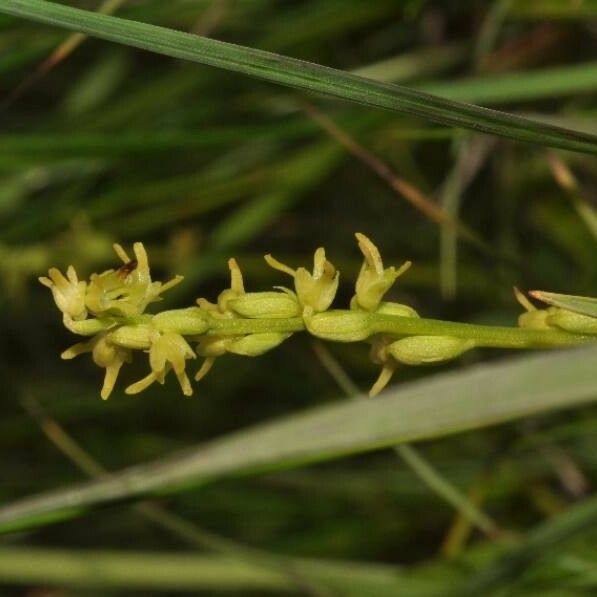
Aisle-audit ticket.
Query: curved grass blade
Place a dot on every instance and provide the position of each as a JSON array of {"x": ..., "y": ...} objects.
[
  {"x": 584, "y": 305},
  {"x": 299, "y": 74},
  {"x": 446, "y": 404}
]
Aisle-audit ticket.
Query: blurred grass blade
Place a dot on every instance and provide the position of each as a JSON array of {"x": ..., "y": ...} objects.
[
  {"x": 130, "y": 570},
  {"x": 584, "y": 305},
  {"x": 296, "y": 73},
  {"x": 519, "y": 86},
  {"x": 445, "y": 404},
  {"x": 155, "y": 571}
]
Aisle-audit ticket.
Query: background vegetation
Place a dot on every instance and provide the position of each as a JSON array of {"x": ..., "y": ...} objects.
[{"x": 103, "y": 143}]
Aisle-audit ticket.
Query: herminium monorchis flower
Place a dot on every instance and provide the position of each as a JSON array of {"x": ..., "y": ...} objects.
[
  {"x": 235, "y": 303},
  {"x": 123, "y": 293},
  {"x": 105, "y": 354},
  {"x": 109, "y": 309},
  {"x": 373, "y": 281},
  {"x": 128, "y": 290},
  {"x": 167, "y": 351},
  {"x": 314, "y": 291},
  {"x": 68, "y": 292}
]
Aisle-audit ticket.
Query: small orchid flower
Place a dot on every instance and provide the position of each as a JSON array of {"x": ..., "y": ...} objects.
[
  {"x": 315, "y": 291},
  {"x": 221, "y": 309},
  {"x": 68, "y": 292},
  {"x": 128, "y": 290},
  {"x": 105, "y": 354},
  {"x": 373, "y": 281},
  {"x": 168, "y": 351}
]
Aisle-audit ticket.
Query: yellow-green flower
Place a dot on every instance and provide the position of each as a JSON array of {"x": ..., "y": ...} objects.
[
  {"x": 373, "y": 281},
  {"x": 105, "y": 354},
  {"x": 237, "y": 289},
  {"x": 315, "y": 291},
  {"x": 168, "y": 351},
  {"x": 127, "y": 291},
  {"x": 68, "y": 292}
]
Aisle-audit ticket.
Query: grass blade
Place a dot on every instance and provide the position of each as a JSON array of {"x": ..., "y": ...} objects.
[
  {"x": 584, "y": 305},
  {"x": 448, "y": 403},
  {"x": 299, "y": 74},
  {"x": 160, "y": 571}
]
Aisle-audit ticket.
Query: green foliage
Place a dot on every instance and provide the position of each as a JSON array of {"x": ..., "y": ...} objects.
[{"x": 294, "y": 73}]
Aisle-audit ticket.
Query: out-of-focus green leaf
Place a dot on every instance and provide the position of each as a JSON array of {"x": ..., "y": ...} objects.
[
  {"x": 188, "y": 572},
  {"x": 296, "y": 73},
  {"x": 448, "y": 403}
]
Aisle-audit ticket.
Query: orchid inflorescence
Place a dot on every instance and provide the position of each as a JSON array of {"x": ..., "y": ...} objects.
[{"x": 110, "y": 310}]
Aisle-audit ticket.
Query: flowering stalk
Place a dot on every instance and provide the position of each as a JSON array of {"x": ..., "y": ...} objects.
[{"x": 110, "y": 310}]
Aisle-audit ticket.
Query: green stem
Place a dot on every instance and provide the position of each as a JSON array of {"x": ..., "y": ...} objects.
[
  {"x": 483, "y": 335},
  {"x": 237, "y": 327}
]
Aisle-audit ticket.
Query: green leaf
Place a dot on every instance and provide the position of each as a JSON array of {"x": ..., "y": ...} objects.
[
  {"x": 446, "y": 404},
  {"x": 299, "y": 74},
  {"x": 584, "y": 305},
  {"x": 134, "y": 570}
]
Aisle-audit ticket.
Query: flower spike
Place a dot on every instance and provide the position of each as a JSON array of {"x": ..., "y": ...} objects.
[{"x": 109, "y": 312}]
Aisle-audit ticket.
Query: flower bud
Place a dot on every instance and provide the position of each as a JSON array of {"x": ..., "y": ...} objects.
[
  {"x": 387, "y": 308},
  {"x": 188, "y": 322},
  {"x": 137, "y": 337},
  {"x": 421, "y": 350},
  {"x": 254, "y": 345},
  {"x": 534, "y": 320},
  {"x": 272, "y": 305},
  {"x": 87, "y": 327},
  {"x": 213, "y": 346},
  {"x": 340, "y": 326},
  {"x": 571, "y": 321}
]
